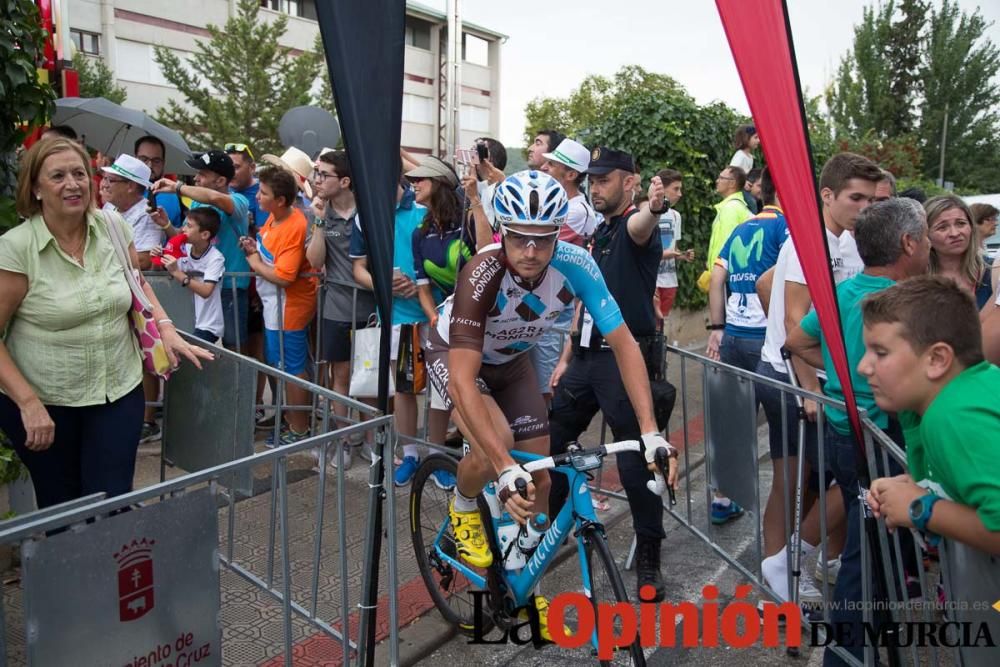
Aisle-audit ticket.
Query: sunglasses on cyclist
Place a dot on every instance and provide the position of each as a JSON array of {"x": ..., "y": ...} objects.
[
  {"x": 239, "y": 148},
  {"x": 522, "y": 240}
]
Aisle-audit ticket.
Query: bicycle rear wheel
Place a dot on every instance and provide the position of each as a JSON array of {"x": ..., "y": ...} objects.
[
  {"x": 606, "y": 586},
  {"x": 448, "y": 587}
]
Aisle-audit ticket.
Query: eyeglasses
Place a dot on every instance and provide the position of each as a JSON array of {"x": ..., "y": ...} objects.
[
  {"x": 417, "y": 179},
  {"x": 320, "y": 176},
  {"x": 158, "y": 161},
  {"x": 722, "y": 177},
  {"x": 239, "y": 148},
  {"x": 111, "y": 180},
  {"x": 522, "y": 240}
]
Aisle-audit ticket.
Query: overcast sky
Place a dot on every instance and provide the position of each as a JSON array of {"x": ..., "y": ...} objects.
[{"x": 554, "y": 45}]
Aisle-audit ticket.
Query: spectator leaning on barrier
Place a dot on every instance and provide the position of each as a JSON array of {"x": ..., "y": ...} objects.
[
  {"x": 893, "y": 242},
  {"x": 214, "y": 171},
  {"x": 152, "y": 152},
  {"x": 124, "y": 189},
  {"x": 244, "y": 182},
  {"x": 200, "y": 269},
  {"x": 729, "y": 213},
  {"x": 627, "y": 250},
  {"x": 278, "y": 257},
  {"x": 931, "y": 371},
  {"x": 738, "y": 322},
  {"x": 344, "y": 307},
  {"x": 64, "y": 303}
]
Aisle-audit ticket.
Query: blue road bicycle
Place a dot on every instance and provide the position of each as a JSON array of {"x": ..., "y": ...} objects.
[{"x": 451, "y": 581}]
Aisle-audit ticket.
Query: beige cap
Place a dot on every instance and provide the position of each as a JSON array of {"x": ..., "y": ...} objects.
[
  {"x": 432, "y": 167},
  {"x": 297, "y": 162}
]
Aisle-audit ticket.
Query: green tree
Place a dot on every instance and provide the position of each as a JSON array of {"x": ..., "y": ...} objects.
[
  {"x": 96, "y": 80},
  {"x": 25, "y": 102},
  {"x": 959, "y": 73},
  {"x": 238, "y": 84},
  {"x": 651, "y": 116}
]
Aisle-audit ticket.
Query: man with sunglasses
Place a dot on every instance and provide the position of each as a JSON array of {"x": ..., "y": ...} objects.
[
  {"x": 592, "y": 375},
  {"x": 506, "y": 298},
  {"x": 244, "y": 182},
  {"x": 152, "y": 152}
]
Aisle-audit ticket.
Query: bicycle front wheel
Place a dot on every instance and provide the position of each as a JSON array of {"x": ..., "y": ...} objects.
[
  {"x": 430, "y": 530},
  {"x": 606, "y": 586}
]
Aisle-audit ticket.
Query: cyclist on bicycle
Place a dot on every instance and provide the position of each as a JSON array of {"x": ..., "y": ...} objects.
[{"x": 505, "y": 298}]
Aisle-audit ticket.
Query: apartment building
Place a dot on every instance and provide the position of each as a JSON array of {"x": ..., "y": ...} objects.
[{"x": 123, "y": 32}]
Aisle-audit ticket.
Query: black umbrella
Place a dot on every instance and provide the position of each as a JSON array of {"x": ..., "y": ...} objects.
[{"x": 113, "y": 129}]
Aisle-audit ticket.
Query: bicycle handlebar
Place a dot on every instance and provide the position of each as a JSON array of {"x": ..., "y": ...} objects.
[{"x": 656, "y": 486}]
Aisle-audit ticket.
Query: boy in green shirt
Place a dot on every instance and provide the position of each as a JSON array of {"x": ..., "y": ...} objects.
[{"x": 924, "y": 361}]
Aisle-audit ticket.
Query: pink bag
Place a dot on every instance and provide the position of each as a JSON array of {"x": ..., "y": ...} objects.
[{"x": 154, "y": 352}]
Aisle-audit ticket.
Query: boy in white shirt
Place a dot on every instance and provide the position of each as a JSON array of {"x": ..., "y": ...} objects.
[{"x": 200, "y": 270}]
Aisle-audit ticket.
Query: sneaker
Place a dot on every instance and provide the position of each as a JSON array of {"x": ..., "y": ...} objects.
[
  {"x": 269, "y": 440},
  {"x": 150, "y": 432},
  {"x": 262, "y": 422},
  {"x": 443, "y": 479},
  {"x": 367, "y": 453},
  {"x": 647, "y": 567},
  {"x": 258, "y": 416},
  {"x": 809, "y": 595},
  {"x": 405, "y": 472},
  {"x": 291, "y": 436},
  {"x": 469, "y": 538},
  {"x": 724, "y": 513},
  {"x": 542, "y": 605},
  {"x": 345, "y": 459},
  {"x": 832, "y": 570}
]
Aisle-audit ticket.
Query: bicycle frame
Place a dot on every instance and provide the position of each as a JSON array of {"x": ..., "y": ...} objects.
[{"x": 577, "y": 511}]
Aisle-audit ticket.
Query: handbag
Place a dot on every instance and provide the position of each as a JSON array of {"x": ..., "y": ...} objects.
[
  {"x": 411, "y": 373},
  {"x": 364, "y": 366},
  {"x": 154, "y": 352}
]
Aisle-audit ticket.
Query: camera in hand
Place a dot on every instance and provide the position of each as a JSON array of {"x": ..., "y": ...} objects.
[{"x": 483, "y": 151}]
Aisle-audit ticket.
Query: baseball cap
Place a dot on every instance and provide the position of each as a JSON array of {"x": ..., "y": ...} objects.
[
  {"x": 604, "y": 160},
  {"x": 432, "y": 167},
  {"x": 131, "y": 168},
  {"x": 572, "y": 154},
  {"x": 215, "y": 161}
]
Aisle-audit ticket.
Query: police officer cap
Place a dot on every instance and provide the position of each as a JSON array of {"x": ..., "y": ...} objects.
[{"x": 604, "y": 160}]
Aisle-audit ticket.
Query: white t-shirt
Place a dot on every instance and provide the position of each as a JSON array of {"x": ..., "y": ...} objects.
[
  {"x": 146, "y": 235},
  {"x": 849, "y": 252},
  {"x": 207, "y": 268},
  {"x": 670, "y": 234},
  {"x": 581, "y": 221},
  {"x": 742, "y": 160},
  {"x": 788, "y": 268}
]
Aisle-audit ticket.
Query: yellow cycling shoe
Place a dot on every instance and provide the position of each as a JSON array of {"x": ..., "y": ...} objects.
[
  {"x": 469, "y": 538},
  {"x": 542, "y": 605}
]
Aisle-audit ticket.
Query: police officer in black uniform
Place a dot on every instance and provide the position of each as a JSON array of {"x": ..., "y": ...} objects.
[{"x": 627, "y": 249}]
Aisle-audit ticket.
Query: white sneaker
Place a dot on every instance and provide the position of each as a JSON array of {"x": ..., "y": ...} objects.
[
  {"x": 808, "y": 593},
  {"x": 366, "y": 452},
  {"x": 345, "y": 457},
  {"x": 832, "y": 570}
]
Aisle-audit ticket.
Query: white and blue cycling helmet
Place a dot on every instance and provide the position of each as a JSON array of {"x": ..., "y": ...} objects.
[{"x": 530, "y": 198}]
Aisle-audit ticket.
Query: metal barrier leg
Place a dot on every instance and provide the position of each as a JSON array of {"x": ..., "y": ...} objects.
[
  {"x": 630, "y": 558},
  {"x": 388, "y": 445},
  {"x": 286, "y": 565}
]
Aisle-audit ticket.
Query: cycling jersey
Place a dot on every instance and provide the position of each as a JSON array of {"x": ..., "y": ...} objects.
[{"x": 496, "y": 312}]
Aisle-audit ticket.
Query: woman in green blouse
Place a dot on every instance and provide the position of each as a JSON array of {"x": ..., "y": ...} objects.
[{"x": 70, "y": 367}]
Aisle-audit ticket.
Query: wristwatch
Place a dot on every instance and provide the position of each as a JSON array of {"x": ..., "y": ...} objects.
[
  {"x": 666, "y": 207},
  {"x": 920, "y": 510},
  {"x": 186, "y": 281},
  {"x": 319, "y": 222}
]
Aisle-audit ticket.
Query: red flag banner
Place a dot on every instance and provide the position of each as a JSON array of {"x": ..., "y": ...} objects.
[{"x": 771, "y": 83}]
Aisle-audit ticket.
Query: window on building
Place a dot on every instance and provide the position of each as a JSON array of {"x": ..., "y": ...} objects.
[
  {"x": 418, "y": 33},
  {"x": 475, "y": 119},
  {"x": 418, "y": 109},
  {"x": 135, "y": 62},
  {"x": 305, "y": 9},
  {"x": 475, "y": 50},
  {"x": 86, "y": 42}
]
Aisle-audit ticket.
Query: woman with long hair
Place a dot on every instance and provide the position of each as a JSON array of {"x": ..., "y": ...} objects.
[
  {"x": 954, "y": 242},
  {"x": 745, "y": 141}
]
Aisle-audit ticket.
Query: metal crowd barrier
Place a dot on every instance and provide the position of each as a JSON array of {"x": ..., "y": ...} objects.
[
  {"x": 732, "y": 435},
  {"x": 136, "y": 579}
]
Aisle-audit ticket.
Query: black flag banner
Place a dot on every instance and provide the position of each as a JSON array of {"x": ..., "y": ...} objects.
[{"x": 364, "y": 42}]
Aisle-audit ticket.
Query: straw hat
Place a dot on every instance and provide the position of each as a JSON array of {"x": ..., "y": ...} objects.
[{"x": 297, "y": 162}]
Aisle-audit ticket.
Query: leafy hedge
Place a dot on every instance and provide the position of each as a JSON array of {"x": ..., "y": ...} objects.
[{"x": 652, "y": 117}]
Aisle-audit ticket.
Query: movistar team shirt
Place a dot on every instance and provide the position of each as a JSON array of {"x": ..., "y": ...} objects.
[
  {"x": 409, "y": 215},
  {"x": 438, "y": 257},
  {"x": 850, "y": 293},
  {"x": 751, "y": 250},
  {"x": 497, "y": 313},
  {"x": 952, "y": 449}
]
